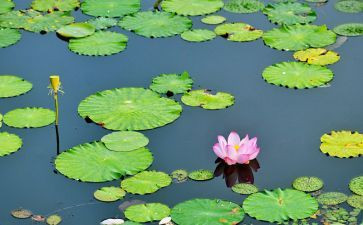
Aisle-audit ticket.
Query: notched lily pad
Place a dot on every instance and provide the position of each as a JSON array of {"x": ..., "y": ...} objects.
[
  {"x": 110, "y": 8},
  {"x": 244, "y": 6},
  {"x": 109, "y": 194},
  {"x": 147, "y": 212},
  {"x": 201, "y": 175},
  {"x": 342, "y": 144},
  {"x": 355, "y": 201},
  {"x": 54, "y": 220},
  {"x": 9, "y": 37},
  {"x": 11, "y": 86},
  {"x": 244, "y": 188},
  {"x": 172, "y": 83},
  {"x": 191, "y": 7},
  {"x": 29, "y": 117},
  {"x": 349, "y": 29},
  {"x": 356, "y": 185},
  {"x": 213, "y": 19},
  {"x": 349, "y": 6},
  {"x": 21, "y": 213},
  {"x": 55, "y": 5},
  {"x": 317, "y": 56},
  {"x": 198, "y": 35},
  {"x": 124, "y": 141},
  {"x": 332, "y": 198},
  {"x": 238, "y": 32},
  {"x": 206, "y": 100},
  {"x": 76, "y": 30},
  {"x": 308, "y": 184},
  {"x": 9, "y": 143}
]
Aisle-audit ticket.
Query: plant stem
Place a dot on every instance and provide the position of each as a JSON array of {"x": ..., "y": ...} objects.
[
  {"x": 156, "y": 4},
  {"x": 57, "y": 121}
]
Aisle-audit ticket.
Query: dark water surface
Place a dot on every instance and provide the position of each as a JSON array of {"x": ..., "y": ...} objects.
[{"x": 288, "y": 122}]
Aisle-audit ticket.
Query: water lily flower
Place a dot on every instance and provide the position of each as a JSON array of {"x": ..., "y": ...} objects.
[{"x": 236, "y": 150}]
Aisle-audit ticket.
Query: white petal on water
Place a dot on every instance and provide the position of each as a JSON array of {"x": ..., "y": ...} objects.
[{"x": 112, "y": 222}]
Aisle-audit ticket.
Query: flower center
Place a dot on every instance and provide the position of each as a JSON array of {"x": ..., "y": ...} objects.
[{"x": 236, "y": 147}]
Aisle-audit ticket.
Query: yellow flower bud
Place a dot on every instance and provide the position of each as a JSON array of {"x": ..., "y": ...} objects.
[{"x": 55, "y": 83}]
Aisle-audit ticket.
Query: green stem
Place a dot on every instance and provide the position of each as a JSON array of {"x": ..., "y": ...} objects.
[{"x": 56, "y": 109}]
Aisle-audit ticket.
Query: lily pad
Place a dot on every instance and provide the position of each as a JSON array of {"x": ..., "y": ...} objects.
[
  {"x": 156, "y": 24},
  {"x": 8, "y": 37},
  {"x": 93, "y": 162},
  {"x": 332, "y": 198},
  {"x": 110, "y": 8},
  {"x": 21, "y": 213},
  {"x": 355, "y": 201},
  {"x": 38, "y": 22},
  {"x": 201, "y": 175},
  {"x": 243, "y": 6},
  {"x": 299, "y": 37},
  {"x": 1, "y": 120},
  {"x": 9, "y": 143},
  {"x": 206, "y": 100},
  {"x": 297, "y": 75},
  {"x": 101, "y": 43},
  {"x": 317, "y": 56},
  {"x": 174, "y": 83},
  {"x": 124, "y": 141},
  {"x": 356, "y": 185},
  {"x": 29, "y": 117},
  {"x": 129, "y": 109},
  {"x": 101, "y": 23},
  {"x": 198, "y": 35},
  {"x": 55, "y": 5},
  {"x": 244, "y": 188},
  {"x": 76, "y": 30},
  {"x": 14, "y": 19},
  {"x": 207, "y": 212},
  {"x": 349, "y": 29},
  {"x": 238, "y": 32},
  {"x": 213, "y": 19},
  {"x": 179, "y": 175},
  {"x": 308, "y": 184},
  {"x": 54, "y": 220},
  {"x": 109, "y": 194},
  {"x": 342, "y": 144},
  {"x": 191, "y": 7},
  {"x": 6, "y": 6},
  {"x": 11, "y": 86},
  {"x": 280, "y": 205},
  {"x": 146, "y": 182},
  {"x": 349, "y": 6},
  {"x": 147, "y": 212}
]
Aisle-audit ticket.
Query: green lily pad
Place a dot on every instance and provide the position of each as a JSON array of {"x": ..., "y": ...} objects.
[
  {"x": 54, "y": 220},
  {"x": 355, "y": 201},
  {"x": 38, "y": 22},
  {"x": 8, "y": 37},
  {"x": 280, "y": 205},
  {"x": 55, "y": 5},
  {"x": 317, "y": 56},
  {"x": 9, "y": 143},
  {"x": 1, "y": 120},
  {"x": 201, "y": 175},
  {"x": 349, "y": 29},
  {"x": 14, "y": 19},
  {"x": 206, "y": 100},
  {"x": 147, "y": 212},
  {"x": 77, "y": 30},
  {"x": 317, "y": 1},
  {"x": 146, "y": 182},
  {"x": 244, "y": 6},
  {"x": 6, "y": 6},
  {"x": 93, "y": 162},
  {"x": 124, "y": 141},
  {"x": 308, "y": 184},
  {"x": 110, "y": 8},
  {"x": 101, "y": 23},
  {"x": 356, "y": 185},
  {"x": 174, "y": 83},
  {"x": 289, "y": 13},
  {"x": 244, "y": 188},
  {"x": 156, "y": 24},
  {"x": 29, "y": 117},
  {"x": 297, "y": 75},
  {"x": 191, "y": 7},
  {"x": 299, "y": 37},
  {"x": 101, "y": 43},
  {"x": 11, "y": 86},
  {"x": 179, "y": 175},
  {"x": 349, "y": 6},
  {"x": 129, "y": 109},
  {"x": 109, "y": 194},
  {"x": 213, "y": 19},
  {"x": 21, "y": 213},
  {"x": 332, "y": 198},
  {"x": 198, "y": 35},
  {"x": 207, "y": 212},
  {"x": 342, "y": 144},
  {"x": 238, "y": 32}
]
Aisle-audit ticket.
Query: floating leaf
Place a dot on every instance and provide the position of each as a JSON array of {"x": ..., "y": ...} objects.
[
  {"x": 9, "y": 143},
  {"x": 93, "y": 162},
  {"x": 206, "y": 100},
  {"x": 54, "y": 5},
  {"x": 332, "y": 198},
  {"x": 101, "y": 43},
  {"x": 6, "y": 6},
  {"x": 129, "y": 109},
  {"x": 317, "y": 56},
  {"x": 109, "y": 194},
  {"x": 191, "y": 7},
  {"x": 38, "y": 22},
  {"x": 297, "y": 75},
  {"x": 29, "y": 117},
  {"x": 213, "y": 19},
  {"x": 207, "y": 212},
  {"x": 179, "y": 175},
  {"x": 54, "y": 220},
  {"x": 355, "y": 201},
  {"x": 14, "y": 19},
  {"x": 244, "y": 6},
  {"x": 198, "y": 35},
  {"x": 21, "y": 213},
  {"x": 349, "y": 6},
  {"x": 147, "y": 212},
  {"x": 156, "y": 24},
  {"x": 308, "y": 184},
  {"x": 317, "y": 1},
  {"x": 76, "y": 30},
  {"x": 174, "y": 83},
  {"x": 124, "y": 141},
  {"x": 238, "y": 32},
  {"x": 342, "y": 144},
  {"x": 349, "y": 29},
  {"x": 110, "y": 8},
  {"x": 244, "y": 188},
  {"x": 201, "y": 175},
  {"x": 8, "y": 37},
  {"x": 356, "y": 185},
  {"x": 299, "y": 37},
  {"x": 101, "y": 23},
  {"x": 146, "y": 182},
  {"x": 280, "y": 205},
  {"x": 11, "y": 86}
]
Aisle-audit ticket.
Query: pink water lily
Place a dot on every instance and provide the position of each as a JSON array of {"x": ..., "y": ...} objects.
[{"x": 236, "y": 150}]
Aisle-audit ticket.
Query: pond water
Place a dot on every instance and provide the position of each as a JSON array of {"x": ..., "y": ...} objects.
[{"x": 288, "y": 122}]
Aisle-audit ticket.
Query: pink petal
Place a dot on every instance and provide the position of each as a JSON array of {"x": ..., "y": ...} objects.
[
  {"x": 244, "y": 140},
  {"x": 232, "y": 153},
  {"x": 243, "y": 158},
  {"x": 234, "y": 139},
  {"x": 230, "y": 161},
  {"x": 255, "y": 153},
  {"x": 219, "y": 150},
  {"x": 222, "y": 140}
]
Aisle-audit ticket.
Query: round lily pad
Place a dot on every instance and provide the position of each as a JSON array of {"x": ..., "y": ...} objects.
[
  {"x": 213, "y": 19},
  {"x": 124, "y": 141},
  {"x": 356, "y": 185},
  {"x": 355, "y": 201},
  {"x": 342, "y": 144},
  {"x": 191, "y": 7},
  {"x": 332, "y": 198},
  {"x": 21, "y": 213},
  {"x": 8, "y": 37},
  {"x": 93, "y": 162},
  {"x": 11, "y": 86},
  {"x": 238, "y": 32},
  {"x": 155, "y": 24},
  {"x": 38, "y": 22},
  {"x": 54, "y": 220},
  {"x": 9, "y": 143},
  {"x": 101, "y": 23},
  {"x": 299, "y": 37},
  {"x": 146, "y": 182},
  {"x": 6, "y": 6},
  {"x": 201, "y": 175},
  {"x": 317, "y": 56},
  {"x": 308, "y": 184},
  {"x": 198, "y": 35},
  {"x": 206, "y": 100},
  {"x": 297, "y": 75},
  {"x": 76, "y": 30},
  {"x": 14, "y": 19},
  {"x": 207, "y": 212},
  {"x": 110, "y": 8},
  {"x": 244, "y": 188},
  {"x": 174, "y": 83},
  {"x": 179, "y": 175},
  {"x": 243, "y": 6},
  {"x": 349, "y": 29},
  {"x": 349, "y": 6},
  {"x": 29, "y": 117},
  {"x": 109, "y": 194},
  {"x": 129, "y": 109},
  {"x": 280, "y": 205},
  {"x": 147, "y": 212},
  {"x": 55, "y": 5}
]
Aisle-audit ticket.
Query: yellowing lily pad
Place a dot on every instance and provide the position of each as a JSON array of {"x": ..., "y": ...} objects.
[
  {"x": 11, "y": 86},
  {"x": 355, "y": 201},
  {"x": 55, "y": 5},
  {"x": 147, "y": 212},
  {"x": 317, "y": 56},
  {"x": 21, "y": 213},
  {"x": 29, "y": 117},
  {"x": 8, "y": 37},
  {"x": 124, "y": 141},
  {"x": 198, "y": 35},
  {"x": 213, "y": 19},
  {"x": 109, "y": 194},
  {"x": 206, "y": 100},
  {"x": 342, "y": 144},
  {"x": 238, "y": 32},
  {"x": 191, "y": 7},
  {"x": 54, "y": 220},
  {"x": 76, "y": 30},
  {"x": 9, "y": 143},
  {"x": 110, "y": 8}
]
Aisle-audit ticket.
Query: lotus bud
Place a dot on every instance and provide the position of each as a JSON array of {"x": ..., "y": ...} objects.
[{"x": 55, "y": 83}]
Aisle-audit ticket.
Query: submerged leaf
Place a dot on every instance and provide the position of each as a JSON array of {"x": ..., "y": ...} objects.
[
  {"x": 146, "y": 182},
  {"x": 244, "y": 6},
  {"x": 201, "y": 175},
  {"x": 349, "y": 6},
  {"x": 332, "y": 198},
  {"x": 317, "y": 56},
  {"x": 110, "y": 8},
  {"x": 29, "y": 117},
  {"x": 124, "y": 141},
  {"x": 198, "y": 35},
  {"x": 54, "y": 5},
  {"x": 213, "y": 19},
  {"x": 191, "y": 7},
  {"x": 355, "y": 201},
  {"x": 238, "y": 32},
  {"x": 76, "y": 30},
  {"x": 206, "y": 100},
  {"x": 244, "y": 188},
  {"x": 308, "y": 184},
  {"x": 356, "y": 185},
  {"x": 101, "y": 23},
  {"x": 349, "y": 29},
  {"x": 6, "y": 6},
  {"x": 9, "y": 143},
  {"x": 147, "y": 212},
  {"x": 109, "y": 194},
  {"x": 342, "y": 144},
  {"x": 8, "y": 37},
  {"x": 21, "y": 213},
  {"x": 179, "y": 175},
  {"x": 11, "y": 86},
  {"x": 174, "y": 83}
]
